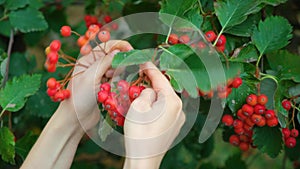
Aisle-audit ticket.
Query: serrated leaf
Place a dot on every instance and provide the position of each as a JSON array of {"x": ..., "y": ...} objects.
[
  {"x": 105, "y": 129},
  {"x": 133, "y": 57},
  {"x": 37, "y": 4},
  {"x": 3, "y": 67},
  {"x": 273, "y": 2},
  {"x": 15, "y": 4},
  {"x": 245, "y": 28},
  {"x": 234, "y": 12},
  {"x": 286, "y": 63},
  {"x": 7, "y": 146},
  {"x": 24, "y": 144},
  {"x": 268, "y": 140},
  {"x": 272, "y": 34},
  {"x": 176, "y": 86},
  {"x": 295, "y": 91},
  {"x": 13, "y": 97},
  {"x": 248, "y": 53},
  {"x": 28, "y": 20},
  {"x": 268, "y": 87},
  {"x": 5, "y": 28}
]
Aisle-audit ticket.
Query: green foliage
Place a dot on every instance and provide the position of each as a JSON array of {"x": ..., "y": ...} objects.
[
  {"x": 13, "y": 5},
  {"x": 268, "y": 140},
  {"x": 14, "y": 96},
  {"x": 269, "y": 36},
  {"x": 7, "y": 146},
  {"x": 133, "y": 57},
  {"x": 24, "y": 144},
  {"x": 235, "y": 162},
  {"x": 28, "y": 20}
]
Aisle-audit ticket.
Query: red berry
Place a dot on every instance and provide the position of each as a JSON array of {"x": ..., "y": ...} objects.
[
  {"x": 93, "y": 20},
  {"x": 51, "y": 83},
  {"x": 184, "y": 39},
  {"x": 244, "y": 146},
  {"x": 221, "y": 41},
  {"x": 290, "y": 142},
  {"x": 94, "y": 28},
  {"x": 51, "y": 92},
  {"x": 59, "y": 96},
  {"x": 237, "y": 82},
  {"x": 262, "y": 99},
  {"x": 237, "y": 123},
  {"x": 55, "y": 45},
  {"x": 104, "y": 36},
  {"x": 120, "y": 121},
  {"x": 241, "y": 115},
  {"x": 86, "y": 49},
  {"x": 114, "y": 26},
  {"x": 244, "y": 138},
  {"x": 51, "y": 67},
  {"x": 247, "y": 128},
  {"x": 294, "y": 133},
  {"x": 66, "y": 93},
  {"x": 52, "y": 57},
  {"x": 286, "y": 132},
  {"x": 256, "y": 118},
  {"x": 107, "y": 19},
  {"x": 225, "y": 94},
  {"x": 227, "y": 120},
  {"x": 90, "y": 35},
  {"x": 123, "y": 86},
  {"x": 134, "y": 92},
  {"x": 262, "y": 122},
  {"x": 249, "y": 122},
  {"x": 259, "y": 109},
  {"x": 65, "y": 31},
  {"x": 201, "y": 45},
  {"x": 234, "y": 140},
  {"x": 251, "y": 100},
  {"x": 239, "y": 131},
  {"x": 286, "y": 104},
  {"x": 102, "y": 96},
  {"x": 173, "y": 39},
  {"x": 247, "y": 110},
  {"x": 272, "y": 122},
  {"x": 210, "y": 36},
  {"x": 220, "y": 48},
  {"x": 105, "y": 87},
  {"x": 81, "y": 41},
  {"x": 269, "y": 114},
  {"x": 110, "y": 104}
]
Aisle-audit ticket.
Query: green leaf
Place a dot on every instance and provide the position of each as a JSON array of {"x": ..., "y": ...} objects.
[
  {"x": 298, "y": 117},
  {"x": 28, "y": 20},
  {"x": 268, "y": 140},
  {"x": 245, "y": 28},
  {"x": 106, "y": 128},
  {"x": 2, "y": 2},
  {"x": 273, "y": 2},
  {"x": 295, "y": 91},
  {"x": 15, "y": 4},
  {"x": 7, "y": 146},
  {"x": 176, "y": 86},
  {"x": 235, "y": 162},
  {"x": 5, "y": 28},
  {"x": 286, "y": 63},
  {"x": 14, "y": 96},
  {"x": 272, "y": 34},
  {"x": 170, "y": 11},
  {"x": 37, "y": 4},
  {"x": 247, "y": 54},
  {"x": 278, "y": 97},
  {"x": 24, "y": 144},
  {"x": 133, "y": 57},
  {"x": 234, "y": 12}
]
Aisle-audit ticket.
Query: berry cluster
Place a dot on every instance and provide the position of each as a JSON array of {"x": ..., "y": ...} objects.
[
  {"x": 93, "y": 20},
  {"x": 56, "y": 91},
  {"x": 52, "y": 55},
  {"x": 223, "y": 91},
  {"x": 253, "y": 113},
  {"x": 211, "y": 36},
  {"x": 289, "y": 137},
  {"x": 117, "y": 103},
  {"x": 175, "y": 39}
]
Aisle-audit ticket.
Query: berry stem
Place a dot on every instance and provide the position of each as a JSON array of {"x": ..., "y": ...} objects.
[
  {"x": 139, "y": 80},
  {"x": 76, "y": 33},
  {"x": 80, "y": 64},
  {"x": 67, "y": 77},
  {"x": 9, "y": 49},
  {"x": 293, "y": 116},
  {"x": 258, "y": 60},
  {"x": 65, "y": 65},
  {"x": 267, "y": 76}
]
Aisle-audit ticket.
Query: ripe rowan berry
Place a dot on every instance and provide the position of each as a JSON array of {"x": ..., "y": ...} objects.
[
  {"x": 286, "y": 132},
  {"x": 66, "y": 93},
  {"x": 247, "y": 110},
  {"x": 134, "y": 92},
  {"x": 65, "y": 31},
  {"x": 270, "y": 114},
  {"x": 173, "y": 39},
  {"x": 239, "y": 131},
  {"x": 52, "y": 57},
  {"x": 251, "y": 100},
  {"x": 272, "y": 122},
  {"x": 237, "y": 82},
  {"x": 221, "y": 41},
  {"x": 210, "y": 36},
  {"x": 107, "y": 19},
  {"x": 290, "y": 142},
  {"x": 227, "y": 120},
  {"x": 234, "y": 140},
  {"x": 105, "y": 87},
  {"x": 123, "y": 86},
  {"x": 82, "y": 40},
  {"x": 51, "y": 83},
  {"x": 241, "y": 115},
  {"x": 294, "y": 133},
  {"x": 104, "y": 36},
  {"x": 184, "y": 39},
  {"x": 286, "y": 104},
  {"x": 259, "y": 109},
  {"x": 86, "y": 49},
  {"x": 238, "y": 123},
  {"x": 262, "y": 99},
  {"x": 244, "y": 146},
  {"x": 55, "y": 45}
]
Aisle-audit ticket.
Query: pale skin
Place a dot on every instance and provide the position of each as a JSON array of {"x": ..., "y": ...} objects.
[{"x": 57, "y": 144}]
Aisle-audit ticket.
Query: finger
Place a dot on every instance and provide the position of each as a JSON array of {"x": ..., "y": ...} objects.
[
  {"x": 144, "y": 102},
  {"x": 123, "y": 46},
  {"x": 158, "y": 81}
]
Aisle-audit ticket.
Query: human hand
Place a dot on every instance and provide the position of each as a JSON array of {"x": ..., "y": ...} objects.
[
  {"x": 152, "y": 122},
  {"x": 89, "y": 71}
]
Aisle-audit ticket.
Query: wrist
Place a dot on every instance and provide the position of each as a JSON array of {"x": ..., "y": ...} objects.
[{"x": 145, "y": 163}]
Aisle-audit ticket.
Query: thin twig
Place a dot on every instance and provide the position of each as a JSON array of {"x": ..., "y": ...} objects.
[{"x": 10, "y": 45}]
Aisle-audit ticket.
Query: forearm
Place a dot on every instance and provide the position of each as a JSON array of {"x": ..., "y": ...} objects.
[{"x": 57, "y": 144}]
